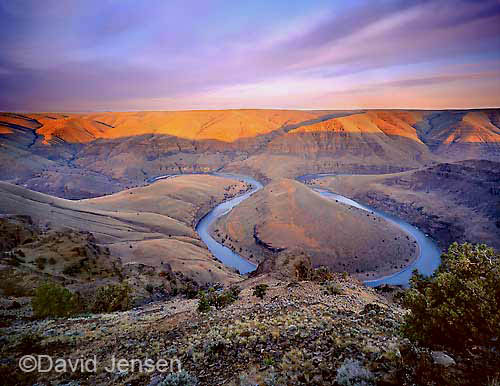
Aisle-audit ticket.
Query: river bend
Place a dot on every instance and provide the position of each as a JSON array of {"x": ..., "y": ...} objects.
[{"x": 426, "y": 262}]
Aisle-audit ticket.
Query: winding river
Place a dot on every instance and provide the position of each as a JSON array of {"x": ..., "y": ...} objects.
[
  {"x": 223, "y": 253},
  {"x": 426, "y": 262},
  {"x": 428, "y": 258}
]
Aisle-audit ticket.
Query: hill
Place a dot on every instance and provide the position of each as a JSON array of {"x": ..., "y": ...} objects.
[
  {"x": 109, "y": 152},
  {"x": 152, "y": 225},
  {"x": 462, "y": 134},
  {"x": 222, "y": 125},
  {"x": 450, "y": 201},
  {"x": 288, "y": 216}
]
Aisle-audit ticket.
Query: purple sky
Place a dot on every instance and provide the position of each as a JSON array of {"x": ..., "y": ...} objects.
[{"x": 168, "y": 55}]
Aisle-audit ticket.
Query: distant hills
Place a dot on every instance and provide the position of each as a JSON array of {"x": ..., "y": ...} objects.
[
  {"x": 86, "y": 155},
  {"x": 222, "y": 125},
  {"x": 436, "y": 127}
]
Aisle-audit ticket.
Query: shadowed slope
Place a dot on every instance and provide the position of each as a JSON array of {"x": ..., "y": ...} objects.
[
  {"x": 460, "y": 127},
  {"x": 462, "y": 135},
  {"x": 373, "y": 135},
  {"x": 398, "y": 123},
  {"x": 450, "y": 201},
  {"x": 87, "y": 155}
]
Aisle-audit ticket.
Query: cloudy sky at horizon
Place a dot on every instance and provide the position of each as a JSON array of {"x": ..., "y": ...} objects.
[{"x": 99, "y": 55}]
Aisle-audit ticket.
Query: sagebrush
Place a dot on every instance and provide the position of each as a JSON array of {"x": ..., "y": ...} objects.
[{"x": 53, "y": 300}]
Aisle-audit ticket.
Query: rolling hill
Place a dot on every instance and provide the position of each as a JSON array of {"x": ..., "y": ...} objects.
[
  {"x": 152, "y": 225},
  {"x": 451, "y": 201},
  {"x": 288, "y": 217}
]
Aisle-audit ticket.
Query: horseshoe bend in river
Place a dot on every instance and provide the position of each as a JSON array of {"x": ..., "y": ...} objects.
[{"x": 426, "y": 262}]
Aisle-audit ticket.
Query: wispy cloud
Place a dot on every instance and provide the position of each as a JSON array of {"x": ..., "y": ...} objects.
[{"x": 75, "y": 55}]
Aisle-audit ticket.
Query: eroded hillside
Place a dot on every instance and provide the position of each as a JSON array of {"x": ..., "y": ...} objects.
[{"x": 87, "y": 155}]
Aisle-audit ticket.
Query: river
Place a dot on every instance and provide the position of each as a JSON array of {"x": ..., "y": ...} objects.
[
  {"x": 221, "y": 252},
  {"x": 428, "y": 258},
  {"x": 426, "y": 262}
]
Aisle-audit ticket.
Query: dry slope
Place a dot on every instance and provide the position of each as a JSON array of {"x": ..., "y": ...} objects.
[
  {"x": 115, "y": 150},
  {"x": 222, "y": 125},
  {"x": 450, "y": 201},
  {"x": 286, "y": 215},
  {"x": 152, "y": 225}
]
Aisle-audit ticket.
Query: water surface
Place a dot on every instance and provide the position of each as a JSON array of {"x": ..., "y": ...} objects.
[{"x": 221, "y": 252}]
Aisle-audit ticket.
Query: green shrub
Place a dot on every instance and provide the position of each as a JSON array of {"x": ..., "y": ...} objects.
[
  {"x": 216, "y": 299},
  {"x": 203, "y": 303},
  {"x": 226, "y": 297},
  {"x": 235, "y": 291},
  {"x": 459, "y": 305},
  {"x": 72, "y": 269},
  {"x": 174, "y": 291},
  {"x": 268, "y": 361},
  {"x": 190, "y": 291},
  {"x": 260, "y": 290},
  {"x": 41, "y": 262},
  {"x": 111, "y": 298},
  {"x": 332, "y": 288},
  {"x": 53, "y": 300}
]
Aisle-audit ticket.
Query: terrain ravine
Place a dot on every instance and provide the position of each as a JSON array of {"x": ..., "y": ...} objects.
[{"x": 426, "y": 262}]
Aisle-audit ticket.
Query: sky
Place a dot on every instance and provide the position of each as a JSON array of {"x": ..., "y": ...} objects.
[{"x": 123, "y": 55}]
